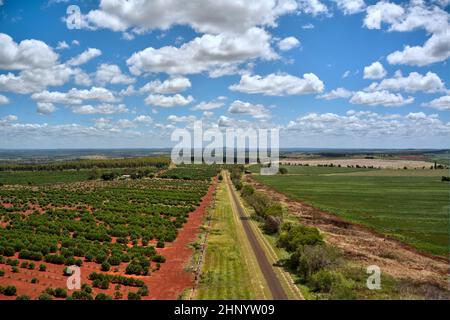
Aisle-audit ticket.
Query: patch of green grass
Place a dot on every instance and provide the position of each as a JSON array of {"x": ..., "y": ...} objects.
[
  {"x": 414, "y": 209},
  {"x": 42, "y": 177}
]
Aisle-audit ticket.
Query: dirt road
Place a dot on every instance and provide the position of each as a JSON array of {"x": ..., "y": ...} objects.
[{"x": 273, "y": 282}]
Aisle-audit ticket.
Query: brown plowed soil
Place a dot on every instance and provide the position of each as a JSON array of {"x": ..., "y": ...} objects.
[
  {"x": 367, "y": 247},
  {"x": 166, "y": 283}
]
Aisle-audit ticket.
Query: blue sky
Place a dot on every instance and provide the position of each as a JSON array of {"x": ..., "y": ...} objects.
[{"x": 344, "y": 73}]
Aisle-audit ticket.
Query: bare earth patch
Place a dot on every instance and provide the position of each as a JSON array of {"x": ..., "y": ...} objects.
[
  {"x": 366, "y": 247},
  {"x": 377, "y": 163}
]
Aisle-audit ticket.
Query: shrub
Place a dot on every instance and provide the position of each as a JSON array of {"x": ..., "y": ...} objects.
[
  {"x": 296, "y": 236},
  {"x": 133, "y": 268},
  {"x": 23, "y": 297},
  {"x": 102, "y": 296},
  {"x": 55, "y": 258},
  {"x": 9, "y": 291},
  {"x": 81, "y": 295},
  {"x": 102, "y": 284},
  {"x": 308, "y": 260},
  {"x": 45, "y": 296},
  {"x": 2, "y": 273},
  {"x": 323, "y": 280},
  {"x": 133, "y": 296},
  {"x": 86, "y": 288},
  {"x": 34, "y": 280},
  {"x": 114, "y": 260},
  {"x": 282, "y": 170},
  {"x": 9, "y": 251},
  {"x": 42, "y": 267},
  {"x": 160, "y": 244},
  {"x": 143, "y": 291},
  {"x": 12, "y": 262},
  {"x": 60, "y": 293},
  {"x": 105, "y": 266},
  {"x": 260, "y": 203},
  {"x": 247, "y": 191},
  {"x": 158, "y": 258},
  {"x": 272, "y": 224},
  {"x": 275, "y": 210},
  {"x": 24, "y": 265},
  {"x": 15, "y": 270},
  {"x": 118, "y": 295},
  {"x": 30, "y": 255}
]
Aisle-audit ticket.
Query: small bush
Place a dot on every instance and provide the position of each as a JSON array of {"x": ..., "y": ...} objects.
[
  {"x": 323, "y": 280},
  {"x": 105, "y": 266},
  {"x": 133, "y": 296},
  {"x": 308, "y": 260},
  {"x": 143, "y": 291},
  {"x": 118, "y": 295},
  {"x": 272, "y": 224},
  {"x": 60, "y": 293},
  {"x": 45, "y": 296},
  {"x": 102, "y": 296},
  {"x": 283, "y": 170},
  {"x": 296, "y": 236},
  {"x": 9, "y": 291}
]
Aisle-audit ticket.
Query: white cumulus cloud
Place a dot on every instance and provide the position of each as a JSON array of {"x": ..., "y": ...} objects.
[
  {"x": 383, "y": 98},
  {"x": 374, "y": 71},
  {"x": 288, "y": 43},
  {"x": 279, "y": 84},
  {"x": 160, "y": 100}
]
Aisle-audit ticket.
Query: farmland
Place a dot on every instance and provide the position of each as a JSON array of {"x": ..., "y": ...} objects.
[
  {"x": 410, "y": 205},
  {"x": 120, "y": 233}
]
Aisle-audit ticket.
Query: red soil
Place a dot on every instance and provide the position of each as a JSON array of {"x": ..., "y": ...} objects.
[{"x": 164, "y": 284}]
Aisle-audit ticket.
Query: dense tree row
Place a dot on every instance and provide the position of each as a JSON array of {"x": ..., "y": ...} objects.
[
  {"x": 192, "y": 172},
  {"x": 159, "y": 162}
]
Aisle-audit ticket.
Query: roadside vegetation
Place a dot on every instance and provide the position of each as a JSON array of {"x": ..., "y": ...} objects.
[{"x": 228, "y": 270}]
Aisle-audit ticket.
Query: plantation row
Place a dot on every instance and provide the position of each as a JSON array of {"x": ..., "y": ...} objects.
[
  {"x": 158, "y": 162},
  {"x": 192, "y": 172},
  {"x": 105, "y": 222}
]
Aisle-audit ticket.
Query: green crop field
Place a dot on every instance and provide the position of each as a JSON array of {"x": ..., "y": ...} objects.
[{"x": 411, "y": 207}]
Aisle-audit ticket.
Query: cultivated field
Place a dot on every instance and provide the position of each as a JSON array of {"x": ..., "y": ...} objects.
[
  {"x": 361, "y": 162},
  {"x": 411, "y": 205},
  {"x": 129, "y": 237}
]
